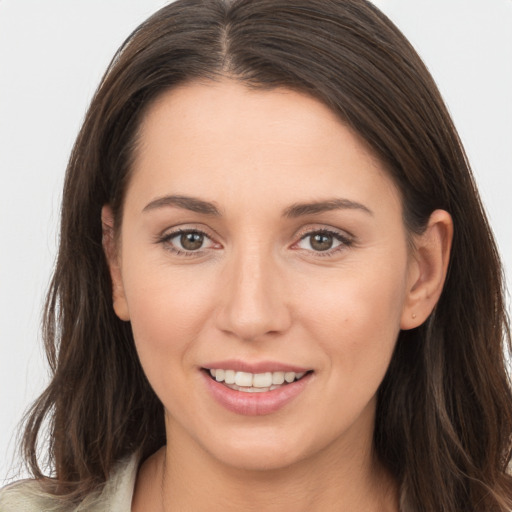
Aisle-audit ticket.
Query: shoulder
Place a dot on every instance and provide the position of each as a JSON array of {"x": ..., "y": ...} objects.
[
  {"x": 116, "y": 495},
  {"x": 27, "y": 495}
]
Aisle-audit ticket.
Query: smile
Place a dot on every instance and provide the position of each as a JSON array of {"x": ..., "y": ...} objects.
[
  {"x": 255, "y": 393},
  {"x": 254, "y": 382}
]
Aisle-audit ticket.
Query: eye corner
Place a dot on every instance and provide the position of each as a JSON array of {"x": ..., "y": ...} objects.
[
  {"x": 329, "y": 241},
  {"x": 199, "y": 242}
]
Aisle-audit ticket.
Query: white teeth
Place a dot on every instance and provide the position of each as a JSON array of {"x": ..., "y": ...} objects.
[
  {"x": 278, "y": 378},
  {"x": 262, "y": 380},
  {"x": 288, "y": 376},
  {"x": 229, "y": 376},
  {"x": 259, "y": 381},
  {"x": 243, "y": 379}
]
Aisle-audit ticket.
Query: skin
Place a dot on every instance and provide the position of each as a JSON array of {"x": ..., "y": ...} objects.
[{"x": 257, "y": 289}]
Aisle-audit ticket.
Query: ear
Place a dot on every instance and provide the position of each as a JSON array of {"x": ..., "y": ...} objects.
[
  {"x": 428, "y": 268},
  {"x": 113, "y": 260}
]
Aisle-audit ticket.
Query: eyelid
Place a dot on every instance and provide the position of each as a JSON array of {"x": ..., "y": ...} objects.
[
  {"x": 345, "y": 238},
  {"x": 189, "y": 226},
  {"x": 323, "y": 228},
  {"x": 168, "y": 234}
]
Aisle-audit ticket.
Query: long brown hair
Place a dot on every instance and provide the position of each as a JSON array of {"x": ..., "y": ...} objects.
[{"x": 444, "y": 414}]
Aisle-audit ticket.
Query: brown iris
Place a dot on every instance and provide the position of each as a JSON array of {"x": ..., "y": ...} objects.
[
  {"x": 321, "y": 241},
  {"x": 191, "y": 241}
]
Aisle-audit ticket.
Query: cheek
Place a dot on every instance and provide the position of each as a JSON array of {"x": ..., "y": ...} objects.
[
  {"x": 168, "y": 310},
  {"x": 375, "y": 292},
  {"x": 356, "y": 317}
]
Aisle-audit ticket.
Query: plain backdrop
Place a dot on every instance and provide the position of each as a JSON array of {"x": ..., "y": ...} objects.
[{"x": 52, "y": 55}]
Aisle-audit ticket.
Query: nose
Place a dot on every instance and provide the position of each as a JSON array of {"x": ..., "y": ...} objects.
[{"x": 254, "y": 301}]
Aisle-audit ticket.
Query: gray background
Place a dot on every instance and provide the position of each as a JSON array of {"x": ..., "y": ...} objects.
[{"x": 52, "y": 55}]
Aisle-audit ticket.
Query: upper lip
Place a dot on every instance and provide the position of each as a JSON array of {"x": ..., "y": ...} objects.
[{"x": 255, "y": 367}]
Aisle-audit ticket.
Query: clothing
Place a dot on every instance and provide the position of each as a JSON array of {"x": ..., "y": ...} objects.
[{"x": 116, "y": 495}]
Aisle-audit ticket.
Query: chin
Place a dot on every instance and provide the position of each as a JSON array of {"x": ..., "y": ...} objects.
[
  {"x": 263, "y": 449},
  {"x": 260, "y": 458}
]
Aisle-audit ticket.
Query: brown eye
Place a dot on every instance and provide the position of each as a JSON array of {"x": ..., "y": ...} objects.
[
  {"x": 188, "y": 242},
  {"x": 191, "y": 241},
  {"x": 321, "y": 242}
]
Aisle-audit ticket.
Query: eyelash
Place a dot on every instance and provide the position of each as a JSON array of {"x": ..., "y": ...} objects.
[
  {"x": 345, "y": 242},
  {"x": 167, "y": 237}
]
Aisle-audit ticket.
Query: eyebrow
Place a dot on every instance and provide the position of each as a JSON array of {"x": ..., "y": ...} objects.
[
  {"x": 295, "y": 210},
  {"x": 302, "y": 209},
  {"x": 186, "y": 202}
]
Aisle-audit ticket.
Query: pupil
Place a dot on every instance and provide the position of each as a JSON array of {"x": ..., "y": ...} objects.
[
  {"x": 191, "y": 241},
  {"x": 321, "y": 242}
]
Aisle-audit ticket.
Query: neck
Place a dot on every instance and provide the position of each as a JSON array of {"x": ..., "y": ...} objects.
[{"x": 339, "y": 478}]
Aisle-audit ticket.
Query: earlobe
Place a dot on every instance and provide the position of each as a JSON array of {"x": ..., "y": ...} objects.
[
  {"x": 112, "y": 256},
  {"x": 429, "y": 267}
]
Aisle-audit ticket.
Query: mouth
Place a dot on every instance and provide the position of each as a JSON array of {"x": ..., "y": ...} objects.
[
  {"x": 254, "y": 382},
  {"x": 266, "y": 390}
]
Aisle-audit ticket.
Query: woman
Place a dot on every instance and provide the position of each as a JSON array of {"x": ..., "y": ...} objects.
[{"x": 339, "y": 346}]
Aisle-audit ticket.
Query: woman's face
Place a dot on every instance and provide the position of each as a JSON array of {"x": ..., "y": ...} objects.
[{"x": 263, "y": 241}]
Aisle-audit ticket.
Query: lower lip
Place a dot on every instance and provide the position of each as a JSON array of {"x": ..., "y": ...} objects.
[{"x": 255, "y": 404}]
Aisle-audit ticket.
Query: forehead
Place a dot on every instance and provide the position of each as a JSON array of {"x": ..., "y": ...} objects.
[
  {"x": 216, "y": 108},
  {"x": 222, "y": 134}
]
